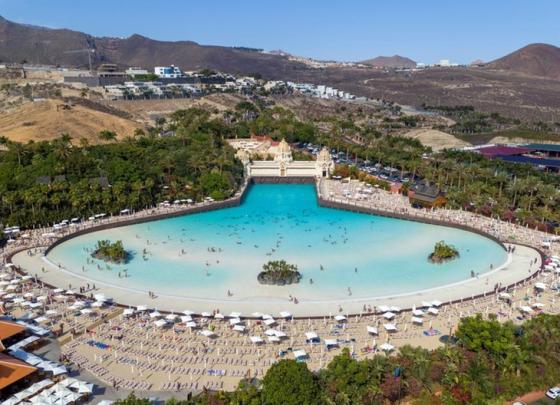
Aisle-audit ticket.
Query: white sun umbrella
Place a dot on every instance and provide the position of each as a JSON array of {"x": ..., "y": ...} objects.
[
  {"x": 188, "y": 312},
  {"x": 86, "y": 311},
  {"x": 69, "y": 292},
  {"x": 504, "y": 295},
  {"x": 433, "y": 311},
  {"x": 311, "y": 335},
  {"x": 426, "y": 304},
  {"x": 186, "y": 318},
  {"x": 18, "y": 300},
  {"x": 285, "y": 314},
  {"x": 171, "y": 317},
  {"x": 387, "y": 347},
  {"x": 418, "y": 312},
  {"x": 280, "y": 334},
  {"x": 257, "y": 314},
  {"x": 526, "y": 309},
  {"x": 191, "y": 324},
  {"x": 234, "y": 321},
  {"x": 160, "y": 323},
  {"x": 331, "y": 342},
  {"x": 155, "y": 314},
  {"x": 256, "y": 339},
  {"x": 388, "y": 315},
  {"x": 340, "y": 318},
  {"x": 205, "y": 314},
  {"x": 239, "y": 328},
  {"x": 390, "y": 327},
  {"x": 269, "y": 322},
  {"x": 395, "y": 309},
  {"x": 270, "y": 332},
  {"x": 219, "y": 316},
  {"x": 436, "y": 303},
  {"x": 234, "y": 314},
  {"x": 97, "y": 304},
  {"x": 538, "y": 305},
  {"x": 383, "y": 308},
  {"x": 300, "y": 354},
  {"x": 58, "y": 290},
  {"x": 540, "y": 286},
  {"x": 128, "y": 312},
  {"x": 416, "y": 319},
  {"x": 274, "y": 339},
  {"x": 267, "y": 316},
  {"x": 372, "y": 330},
  {"x": 141, "y": 308},
  {"x": 207, "y": 333},
  {"x": 100, "y": 297},
  {"x": 51, "y": 312}
]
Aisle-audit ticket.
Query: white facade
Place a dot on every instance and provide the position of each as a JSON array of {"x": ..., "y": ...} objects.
[
  {"x": 168, "y": 72},
  {"x": 283, "y": 165},
  {"x": 134, "y": 71}
]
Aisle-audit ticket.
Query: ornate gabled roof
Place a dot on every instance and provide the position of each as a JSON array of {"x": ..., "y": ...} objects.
[{"x": 284, "y": 147}]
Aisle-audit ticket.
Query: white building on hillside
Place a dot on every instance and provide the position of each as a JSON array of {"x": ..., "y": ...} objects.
[{"x": 168, "y": 72}]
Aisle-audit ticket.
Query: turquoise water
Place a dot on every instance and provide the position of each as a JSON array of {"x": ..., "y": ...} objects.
[{"x": 205, "y": 255}]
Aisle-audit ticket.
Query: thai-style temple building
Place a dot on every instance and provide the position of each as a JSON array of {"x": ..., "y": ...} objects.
[{"x": 282, "y": 163}]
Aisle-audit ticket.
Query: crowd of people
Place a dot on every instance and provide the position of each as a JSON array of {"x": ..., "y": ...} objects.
[{"x": 140, "y": 349}]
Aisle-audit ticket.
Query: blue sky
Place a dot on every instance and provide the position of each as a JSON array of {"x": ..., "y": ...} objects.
[{"x": 425, "y": 31}]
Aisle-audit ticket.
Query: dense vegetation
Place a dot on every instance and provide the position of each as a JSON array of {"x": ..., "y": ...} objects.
[
  {"x": 196, "y": 162},
  {"x": 279, "y": 272},
  {"x": 45, "y": 182},
  {"x": 443, "y": 252},
  {"x": 110, "y": 252},
  {"x": 490, "y": 363}
]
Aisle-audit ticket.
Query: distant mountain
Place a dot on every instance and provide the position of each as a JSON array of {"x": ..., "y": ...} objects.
[
  {"x": 37, "y": 45},
  {"x": 535, "y": 59},
  {"x": 395, "y": 61}
]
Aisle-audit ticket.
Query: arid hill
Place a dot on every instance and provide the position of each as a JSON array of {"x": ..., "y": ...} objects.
[
  {"x": 536, "y": 59},
  {"x": 509, "y": 85},
  {"x": 395, "y": 61},
  {"x": 20, "y": 42},
  {"x": 46, "y": 120}
]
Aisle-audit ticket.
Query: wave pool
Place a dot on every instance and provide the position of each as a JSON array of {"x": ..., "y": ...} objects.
[{"x": 342, "y": 255}]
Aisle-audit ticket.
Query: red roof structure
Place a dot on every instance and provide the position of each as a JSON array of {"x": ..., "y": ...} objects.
[{"x": 502, "y": 150}]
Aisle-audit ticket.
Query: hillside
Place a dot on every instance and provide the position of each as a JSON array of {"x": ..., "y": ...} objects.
[
  {"x": 395, "y": 61},
  {"x": 508, "y": 85},
  {"x": 19, "y": 42},
  {"x": 536, "y": 59},
  {"x": 41, "y": 121}
]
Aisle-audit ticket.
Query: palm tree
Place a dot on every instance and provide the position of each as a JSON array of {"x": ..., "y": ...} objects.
[{"x": 107, "y": 135}]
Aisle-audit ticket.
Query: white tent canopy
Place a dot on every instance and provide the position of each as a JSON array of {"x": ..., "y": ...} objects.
[
  {"x": 387, "y": 347},
  {"x": 300, "y": 354},
  {"x": 256, "y": 339},
  {"x": 389, "y": 327}
]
